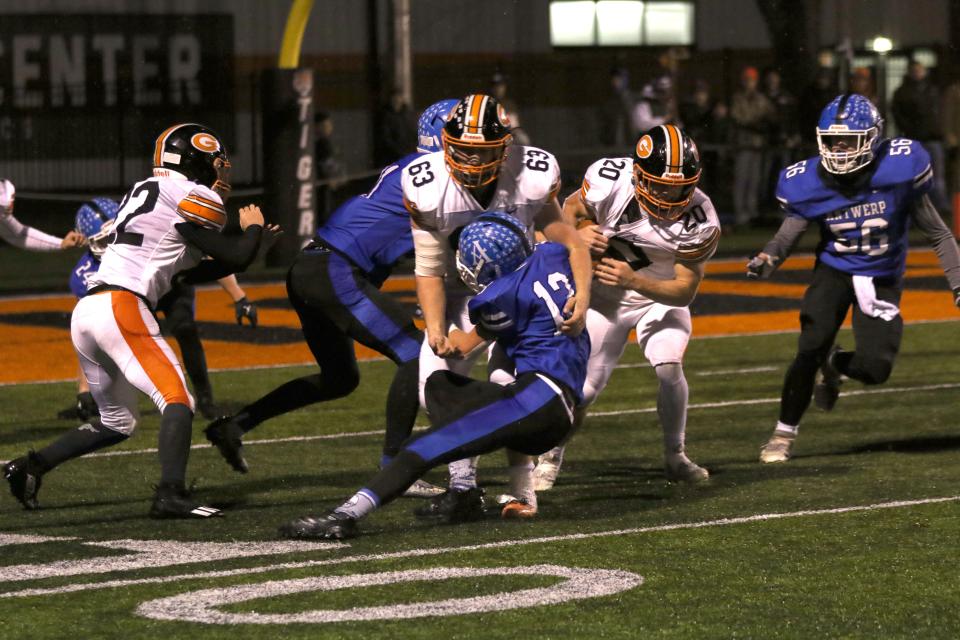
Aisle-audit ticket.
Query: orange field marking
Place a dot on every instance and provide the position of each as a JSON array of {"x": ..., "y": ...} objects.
[{"x": 31, "y": 352}]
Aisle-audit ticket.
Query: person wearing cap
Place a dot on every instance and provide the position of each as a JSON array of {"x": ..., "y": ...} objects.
[{"x": 752, "y": 113}]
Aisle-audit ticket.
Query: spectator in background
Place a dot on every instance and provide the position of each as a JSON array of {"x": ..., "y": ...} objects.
[
  {"x": 752, "y": 114},
  {"x": 783, "y": 136},
  {"x": 397, "y": 130},
  {"x": 951, "y": 136},
  {"x": 498, "y": 89},
  {"x": 329, "y": 166},
  {"x": 616, "y": 129},
  {"x": 656, "y": 106},
  {"x": 916, "y": 112},
  {"x": 707, "y": 122},
  {"x": 861, "y": 81},
  {"x": 815, "y": 97}
]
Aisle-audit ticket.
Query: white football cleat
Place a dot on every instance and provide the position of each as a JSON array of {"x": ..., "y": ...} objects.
[
  {"x": 778, "y": 448},
  {"x": 679, "y": 468},
  {"x": 423, "y": 489},
  {"x": 547, "y": 469}
]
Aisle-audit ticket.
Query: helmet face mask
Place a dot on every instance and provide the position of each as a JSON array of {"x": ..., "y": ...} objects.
[
  {"x": 475, "y": 140},
  {"x": 848, "y": 133},
  {"x": 666, "y": 171},
  {"x": 95, "y": 220},
  {"x": 490, "y": 247}
]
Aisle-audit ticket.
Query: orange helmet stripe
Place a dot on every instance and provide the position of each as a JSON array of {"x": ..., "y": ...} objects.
[
  {"x": 674, "y": 149},
  {"x": 475, "y": 109},
  {"x": 158, "y": 148}
]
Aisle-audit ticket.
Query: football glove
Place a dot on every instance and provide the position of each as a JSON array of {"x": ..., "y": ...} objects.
[
  {"x": 761, "y": 266},
  {"x": 956, "y": 296},
  {"x": 243, "y": 308}
]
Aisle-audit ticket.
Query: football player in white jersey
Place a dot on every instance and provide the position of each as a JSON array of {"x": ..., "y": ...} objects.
[
  {"x": 24, "y": 237},
  {"x": 479, "y": 170},
  {"x": 653, "y": 235},
  {"x": 165, "y": 227}
]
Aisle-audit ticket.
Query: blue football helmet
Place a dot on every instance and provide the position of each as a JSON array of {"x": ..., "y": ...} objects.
[
  {"x": 848, "y": 133},
  {"x": 430, "y": 125},
  {"x": 95, "y": 220},
  {"x": 491, "y": 246}
]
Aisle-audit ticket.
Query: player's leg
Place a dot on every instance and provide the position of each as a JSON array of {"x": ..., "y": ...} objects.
[
  {"x": 609, "y": 328},
  {"x": 663, "y": 334},
  {"x": 179, "y": 319},
  {"x": 472, "y": 417},
  {"x": 113, "y": 393},
  {"x": 822, "y": 311},
  {"x": 131, "y": 338},
  {"x": 463, "y": 473},
  {"x": 877, "y": 341}
]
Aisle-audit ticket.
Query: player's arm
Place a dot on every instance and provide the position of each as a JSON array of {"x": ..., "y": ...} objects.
[
  {"x": 550, "y": 220},
  {"x": 778, "y": 248},
  {"x": 678, "y": 292},
  {"x": 933, "y": 227},
  {"x": 466, "y": 343},
  {"x": 430, "y": 263},
  {"x": 229, "y": 255},
  {"x": 242, "y": 307},
  {"x": 576, "y": 212},
  {"x": 26, "y": 237}
]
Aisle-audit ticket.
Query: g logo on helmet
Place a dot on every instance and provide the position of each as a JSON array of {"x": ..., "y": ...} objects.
[
  {"x": 205, "y": 142},
  {"x": 645, "y": 147}
]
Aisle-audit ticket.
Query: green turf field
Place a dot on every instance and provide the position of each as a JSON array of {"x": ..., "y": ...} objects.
[{"x": 642, "y": 557}]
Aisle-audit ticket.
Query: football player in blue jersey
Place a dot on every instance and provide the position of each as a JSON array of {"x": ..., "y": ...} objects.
[
  {"x": 334, "y": 286},
  {"x": 521, "y": 294},
  {"x": 863, "y": 191},
  {"x": 95, "y": 220}
]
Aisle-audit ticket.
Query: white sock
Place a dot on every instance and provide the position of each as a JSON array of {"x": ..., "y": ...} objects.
[
  {"x": 521, "y": 483},
  {"x": 672, "y": 400},
  {"x": 463, "y": 474},
  {"x": 362, "y": 503},
  {"x": 786, "y": 428}
]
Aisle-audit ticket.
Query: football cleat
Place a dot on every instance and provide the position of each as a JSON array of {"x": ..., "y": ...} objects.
[
  {"x": 548, "y": 467},
  {"x": 332, "y": 526},
  {"x": 423, "y": 489},
  {"x": 680, "y": 468},
  {"x": 25, "y": 478},
  {"x": 516, "y": 509},
  {"x": 453, "y": 507},
  {"x": 227, "y": 436},
  {"x": 174, "y": 501},
  {"x": 827, "y": 389},
  {"x": 778, "y": 448}
]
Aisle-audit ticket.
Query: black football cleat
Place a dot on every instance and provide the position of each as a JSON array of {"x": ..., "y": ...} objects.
[
  {"x": 331, "y": 526},
  {"x": 25, "y": 477},
  {"x": 174, "y": 501},
  {"x": 227, "y": 436},
  {"x": 826, "y": 391},
  {"x": 453, "y": 507}
]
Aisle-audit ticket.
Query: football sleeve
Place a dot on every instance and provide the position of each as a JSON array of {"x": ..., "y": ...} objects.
[
  {"x": 204, "y": 208},
  {"x": 24, "y": 237},
  {"x": 922, "y": 179},
  {"x": 491, "y": 321}
]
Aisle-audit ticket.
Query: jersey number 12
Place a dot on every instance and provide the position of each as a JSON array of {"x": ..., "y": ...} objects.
[{"x": 555, "y": 279}]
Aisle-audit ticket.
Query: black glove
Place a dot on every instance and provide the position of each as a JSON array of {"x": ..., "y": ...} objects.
[
  {"x": 761, "y": 267},
  {"x": 956, "y": 296},
  {"x": 243, "y": 308}
]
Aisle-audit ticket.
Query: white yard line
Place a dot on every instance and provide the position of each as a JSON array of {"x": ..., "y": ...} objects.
[
  {"x": 436, "y": 551},
  {"x": 595, "y": 414}
]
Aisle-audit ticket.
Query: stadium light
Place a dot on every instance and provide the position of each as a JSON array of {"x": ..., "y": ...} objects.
[{"x": 881, "y": 44}]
